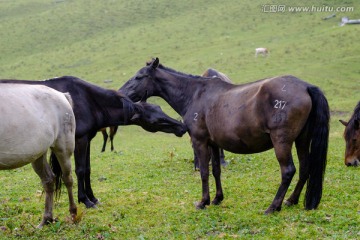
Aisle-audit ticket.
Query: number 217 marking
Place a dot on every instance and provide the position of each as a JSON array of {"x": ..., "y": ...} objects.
[{"x": 280, "y": 104}]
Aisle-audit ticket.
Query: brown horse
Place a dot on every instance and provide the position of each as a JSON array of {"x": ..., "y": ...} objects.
[
  {"x": 34, "y": 119},
  {"x": 112, "y": 132},
  {"x": 352, "y": 138},
  {"x": 249, "y": 118}
]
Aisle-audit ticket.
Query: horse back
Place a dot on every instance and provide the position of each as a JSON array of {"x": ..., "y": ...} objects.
[{"x": 251, "y": 111}]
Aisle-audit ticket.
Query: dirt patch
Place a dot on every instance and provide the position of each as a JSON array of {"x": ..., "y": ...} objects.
[{"x": 339, "y": 113}]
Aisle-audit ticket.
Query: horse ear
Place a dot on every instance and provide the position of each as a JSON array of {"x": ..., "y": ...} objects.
[
  {"x": 135, "y": 117},
  {"x": 343, "y": 122},
  {"x": 155, "y": 63}
]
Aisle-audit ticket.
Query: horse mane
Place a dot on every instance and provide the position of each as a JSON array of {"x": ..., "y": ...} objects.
[
  {"x": 161, "y": 66},
  {"x": 351, "y": 124},
  {"x": 130, "y": 109}
]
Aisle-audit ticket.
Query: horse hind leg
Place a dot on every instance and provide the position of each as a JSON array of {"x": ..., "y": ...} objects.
[
  {"x": 43, "y": 170},
  {"x": 105, "y": 137},
  {"x": 302, "y": 148},
  {"x": 65, "y": 165},
  {"x": 222, "y": 158},
  {"x": 63, "y": 158},
  {"x": 283, "y": 154},
  {"x": 113, "y": 131}
]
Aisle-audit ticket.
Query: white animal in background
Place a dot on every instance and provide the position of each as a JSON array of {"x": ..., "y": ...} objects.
[{"x": 263, "y": 51}]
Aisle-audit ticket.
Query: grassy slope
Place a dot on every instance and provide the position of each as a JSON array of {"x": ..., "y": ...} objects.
[{"x": 144, "y": 194}]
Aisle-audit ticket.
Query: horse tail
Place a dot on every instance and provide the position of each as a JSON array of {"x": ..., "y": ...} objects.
[
  {"x": 319, "y": 136},
  {"x": 55, "y": 167}
]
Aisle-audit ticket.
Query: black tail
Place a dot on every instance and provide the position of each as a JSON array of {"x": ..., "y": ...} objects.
[
  {"x": 55, "y": 166},
  {"x": 319, "y": 136}
]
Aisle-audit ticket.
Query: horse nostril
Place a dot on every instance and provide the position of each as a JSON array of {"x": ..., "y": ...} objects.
[{"x": 348, "y": 164}]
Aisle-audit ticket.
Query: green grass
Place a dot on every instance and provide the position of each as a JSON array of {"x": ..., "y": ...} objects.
[{"x": 148, "y": 186}]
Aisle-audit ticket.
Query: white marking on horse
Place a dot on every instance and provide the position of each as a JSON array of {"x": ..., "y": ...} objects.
[
  {"x": 280, "y": 104},
  {"x": 283, "y": 88},
  {"x": 196, "y": 116}
]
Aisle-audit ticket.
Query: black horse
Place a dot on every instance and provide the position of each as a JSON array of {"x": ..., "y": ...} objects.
[
  {"x": 96, "y": 108},
  {"x": 112, "y": 132},
  {"x": 248, "y": 118}
]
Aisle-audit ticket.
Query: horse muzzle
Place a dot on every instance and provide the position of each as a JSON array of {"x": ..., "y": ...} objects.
[{"x": 352, "y": 162}]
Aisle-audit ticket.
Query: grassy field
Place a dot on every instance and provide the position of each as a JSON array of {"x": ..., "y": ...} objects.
[{"x": 148, "y": 186}]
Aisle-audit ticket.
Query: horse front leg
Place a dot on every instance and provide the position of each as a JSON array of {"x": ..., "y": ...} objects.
[
  {"x": 88, "y": 190},
  {"x": 216, "y": 170},
  {"x": 196, "y": 161},
  {"x": 202, "y": 152},
  {"x": 80, "y": 154},
  {"x": 43, "y": 170},
  {"x": 283, "y": 154}
]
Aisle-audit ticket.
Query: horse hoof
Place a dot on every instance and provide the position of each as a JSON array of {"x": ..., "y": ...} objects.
[
  {"x": 217, "y": 201},
  {"x": 95, "y": 201},
  {"x": 224, "y": 163},
  {"x": 47, "y": 221},
  {"x": 289, "y": 203},
  {"x": 90, "y": 204},
  {"x": 271, "y": 210},
  {"x": 199, "y": 205},
  {"x": 94, "y": 206}
]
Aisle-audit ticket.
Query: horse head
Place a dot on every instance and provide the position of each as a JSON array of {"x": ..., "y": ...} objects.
[
  {"x": 141, "y": 84},
  {"x": 152, "y": 119},
  {"x": 352, "y": 139}
]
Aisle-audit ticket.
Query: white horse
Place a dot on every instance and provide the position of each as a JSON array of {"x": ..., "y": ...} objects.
[
  {"x": 263, "y": 51},
  {"x": 35, "y": 118}
]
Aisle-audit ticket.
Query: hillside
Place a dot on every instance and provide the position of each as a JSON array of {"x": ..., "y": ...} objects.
[{"x": 111, "y": 40}]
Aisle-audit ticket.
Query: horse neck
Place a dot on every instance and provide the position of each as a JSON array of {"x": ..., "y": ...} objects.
[
  {"x": 106, "y": 107},
  {"x": 176, "y": 90},
  {"x": 112, "y": 108}
]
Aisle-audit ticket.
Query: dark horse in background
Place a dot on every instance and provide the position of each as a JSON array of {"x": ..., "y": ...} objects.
[
  {"x": 96, "y": 108},
  {"x": 112, "y": 132},
  {"x": 248, "y": 118},
  {"x": 352, "y": 138}
]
